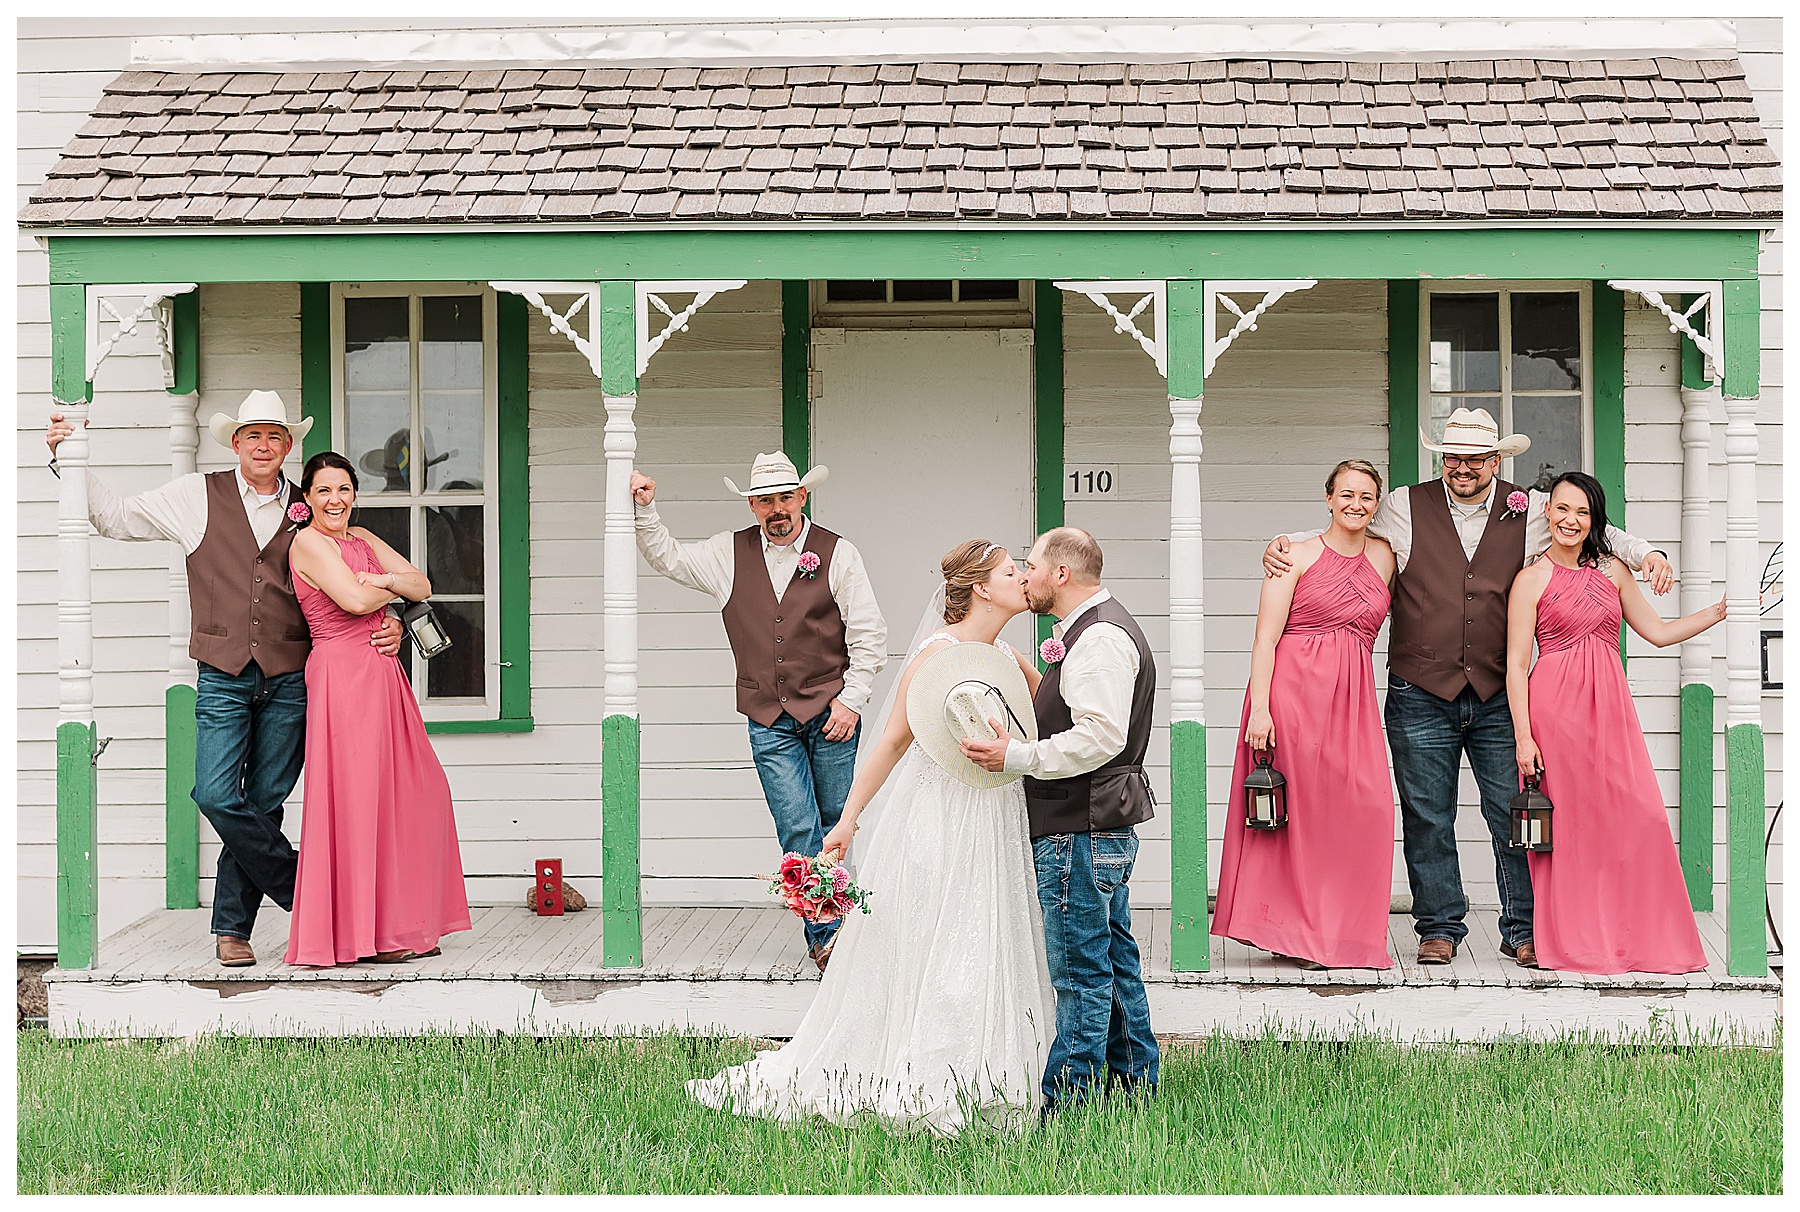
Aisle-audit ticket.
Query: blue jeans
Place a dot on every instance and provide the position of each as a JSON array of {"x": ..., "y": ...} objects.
[
  {"x": 805, "y": 779},
  {"x": 1102, "y": 1014},
  {"x": 250, "y": 738},
  {"x": 1428, "y": 736}
]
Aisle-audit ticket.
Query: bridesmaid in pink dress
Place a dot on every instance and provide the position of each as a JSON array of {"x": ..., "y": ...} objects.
[
  {"x": 1609, "y": 896},
  {"x": 1317, "y": 891},
  {"x": 380, "y": 871}
]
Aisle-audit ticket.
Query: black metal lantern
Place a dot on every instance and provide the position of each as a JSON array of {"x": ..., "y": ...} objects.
[
  {"x": 1531, "y": 810},
  {"x": 1265, "y": 795},
  {"x": 421, "y": 623}
]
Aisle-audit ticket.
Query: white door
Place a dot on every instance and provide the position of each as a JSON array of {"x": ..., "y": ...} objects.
[{"x": 928, "y": 435}]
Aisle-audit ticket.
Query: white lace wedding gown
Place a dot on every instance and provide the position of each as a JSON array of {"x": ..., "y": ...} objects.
[{"x": 936, "y": 1009}]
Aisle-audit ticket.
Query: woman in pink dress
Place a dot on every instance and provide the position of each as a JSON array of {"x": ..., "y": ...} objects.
[
  {"x": 1317, "y": 890},
  {"x": 1609, "y": 896},
  {"x": 380, "y": 872}
]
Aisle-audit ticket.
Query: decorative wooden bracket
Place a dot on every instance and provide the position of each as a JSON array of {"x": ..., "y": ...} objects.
[
  {"x": 1149, "y": 296},
  {"x": 587, "y": 296},
  {"x": 1708, "y": 299},
  {"x": 127, "y": 306},
  {"x": 1219, "y": 294},
  {"x": 650, "y": 297}
]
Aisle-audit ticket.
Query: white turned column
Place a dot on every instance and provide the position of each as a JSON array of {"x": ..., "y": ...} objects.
[
  {"x": 620, "y": 599},
  {"x": 1696, "y": 525},
  {"x": 184, "y": 450},
  {"x": 1187, "y": 583},
  {"x": 1743, "y": 655},
  {"x": 75, "y": 579}
]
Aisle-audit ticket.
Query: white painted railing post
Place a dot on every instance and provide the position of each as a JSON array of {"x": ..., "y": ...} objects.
[{"x": 1697, "y": 697}]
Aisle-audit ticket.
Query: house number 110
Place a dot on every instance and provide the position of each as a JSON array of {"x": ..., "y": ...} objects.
[{"x": 1092, "y": 480}]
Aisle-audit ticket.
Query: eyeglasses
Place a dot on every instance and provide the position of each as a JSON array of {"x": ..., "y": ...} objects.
[{"x": 1451, "y": 460}]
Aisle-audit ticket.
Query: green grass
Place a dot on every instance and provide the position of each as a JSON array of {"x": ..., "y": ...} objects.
[{"x": 516, "y": 1114}]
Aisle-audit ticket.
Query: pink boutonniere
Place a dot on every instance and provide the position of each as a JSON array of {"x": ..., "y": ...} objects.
[
  {"x": 809, "y": 565},
  {"x": 1052, "y": 650},
  {"x": 299, "y": 515},
  {"x": 1516, "y": 504}
]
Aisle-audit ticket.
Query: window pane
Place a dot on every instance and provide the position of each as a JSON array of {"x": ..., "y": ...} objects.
[
  {"x": 988, "y": 292},
  {"x": 460, "y": 671},
  {"x": 377, "y": 412},
  {"x": 856, "y": 292},
  {"x": 454, "y": 542},
  {"x": 929, "y": 291},
  {"x": 1465, "y": 342},
  {"x": 1553, "y": 423},
  {"x": 391, "y": 526},
  {"x": 1546, "y": 342},
  {"x": 450, "y": 392}
]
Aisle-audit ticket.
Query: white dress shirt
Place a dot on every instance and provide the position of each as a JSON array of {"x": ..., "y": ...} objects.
[
  {"x": 709, "y": 566},
  {"x": 1098, "y": 676},
  {"x": 177, "y": 511},
  {"x": 1393, "y": 522}
]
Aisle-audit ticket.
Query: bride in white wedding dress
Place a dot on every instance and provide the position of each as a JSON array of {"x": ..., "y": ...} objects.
[{"x": 936, "y": 1009}]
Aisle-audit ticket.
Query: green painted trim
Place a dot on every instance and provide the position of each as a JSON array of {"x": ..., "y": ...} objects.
[
  {"x": 1696, "y": 815},
  {"x": 77, "y": 879},
  {"x": 1743, "y": 338},
  {"x": 512, "y": 497},
  {"x": 1190, "y": 947},
  {"x": 68, "y": 344},
  {"x": 315, "y": 365},
  {"x": 184, "y": 343},
  {"x": 1693, "y": 362},
  {"x": 619, "y": 871},
  {"x": 181, "y": 816},
  {"x": 796, "y": 375},
  {"x": 1609, "y": 396},
  {"x": 823, "y": 251},
  {"x": 503, "y": 724},
  {"x": 1183, "y": 327},
  {"x": 1403, "y": 383},
  {"x": 1048, "y": 379},
  {"x": 618, "y": 338},
  {"x": 1746, "y": 860}
]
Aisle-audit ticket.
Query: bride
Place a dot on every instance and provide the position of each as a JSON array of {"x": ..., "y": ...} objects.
[{"x": 937, "y": 1009}]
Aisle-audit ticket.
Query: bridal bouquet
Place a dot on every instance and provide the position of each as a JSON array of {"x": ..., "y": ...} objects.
[{"x": 817, "y": 889}]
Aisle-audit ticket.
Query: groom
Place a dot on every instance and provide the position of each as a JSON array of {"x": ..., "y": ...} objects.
[
  {"x": 808, "y": 639},
  {"x": 1084, "y": 790}
]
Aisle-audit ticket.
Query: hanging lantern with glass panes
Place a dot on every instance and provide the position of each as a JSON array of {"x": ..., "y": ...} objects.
[
  {"x": 1531, "y": 819},
  {"x": 1265, "y": 795}
]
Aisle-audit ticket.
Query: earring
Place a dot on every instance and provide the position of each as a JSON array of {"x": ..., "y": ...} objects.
[{"x": 990, "y": 607}]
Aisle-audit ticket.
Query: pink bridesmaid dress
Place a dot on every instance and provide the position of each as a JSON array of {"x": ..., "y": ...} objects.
[
  {"x": 1609, "y": 897},
  {"x": 379, "y": 865},
  {"x": 1319, "y": 888}
]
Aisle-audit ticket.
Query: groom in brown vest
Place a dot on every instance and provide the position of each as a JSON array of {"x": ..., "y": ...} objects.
[
  {"x": 1459, "y": 542},
  {"x": 250, "y": 641},
  {"x": 807, "y": 637}
]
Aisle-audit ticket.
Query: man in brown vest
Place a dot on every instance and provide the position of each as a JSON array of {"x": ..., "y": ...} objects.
[
  {"x": 1459, "y": 542},
  {"x": 808, "y": 639},
  {"x": 250, "y": 641},
  {"x": 1085, "y": 790}
]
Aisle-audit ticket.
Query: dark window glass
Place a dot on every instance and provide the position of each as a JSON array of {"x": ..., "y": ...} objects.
[
  {"x": 1465, "y": 342},
  {"x": 856, "y": 292},
  {"x": 391, "y": 526},
  {"x": 1553, "y": 423},
  {"x": 459, "y": 672},
  {"x": 979, "y": 291},
  {"x": 931, "y": 290},
  {"x": 450, "y": 392},
  {"x": 377, "y": 404},
  {"x": 1546, "y": 342},
  {"x": 453, "y": 548}
]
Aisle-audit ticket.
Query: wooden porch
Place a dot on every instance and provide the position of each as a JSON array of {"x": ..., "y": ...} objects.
[{"x": 745, "y": 971}]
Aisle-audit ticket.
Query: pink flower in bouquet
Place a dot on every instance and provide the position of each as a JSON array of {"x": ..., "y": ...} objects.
[
  {"x": 299, "y": 514},
  {"x": 809, "y": 564},
  {"x": 840, "y": 879},
  {"x": 1517, "y": 503},
  {"x": 1052, "y": 650}
]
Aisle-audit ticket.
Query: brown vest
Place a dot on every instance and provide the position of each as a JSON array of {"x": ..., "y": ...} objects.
[
  {"x": 790, "y": 653},
  {"x": 1118, "y": 793},
  {"x": 1450, "y": 611},
  {"x": 244, "y": 607}
]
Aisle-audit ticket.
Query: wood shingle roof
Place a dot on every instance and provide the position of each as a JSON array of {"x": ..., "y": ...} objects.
[{"x": 1203, "y": 141}]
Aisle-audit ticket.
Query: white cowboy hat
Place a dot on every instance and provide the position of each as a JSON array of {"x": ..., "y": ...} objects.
[
  {"x": 258, "y": 408},
  {"x": 951, "y": 697},
  {"x": 1473, "y": 431},
  {"x": 776, "y": 473}
]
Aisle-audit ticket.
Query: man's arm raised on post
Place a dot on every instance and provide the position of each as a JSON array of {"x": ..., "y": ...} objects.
[
  {"x": 176, "y": 511},
  {"x": 705, "y": 565},
  {"x": 1636, "y": 553}
]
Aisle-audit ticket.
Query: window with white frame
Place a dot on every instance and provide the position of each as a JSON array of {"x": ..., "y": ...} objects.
[
  {"x": 414, "y": 410},
  {"x": 1524, "y": 354}
]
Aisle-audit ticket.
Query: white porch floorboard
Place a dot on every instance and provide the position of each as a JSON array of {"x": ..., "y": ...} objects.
[{"x": 745, "y": 971}]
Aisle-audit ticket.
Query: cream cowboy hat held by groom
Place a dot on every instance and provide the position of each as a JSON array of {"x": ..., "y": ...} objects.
[
  {"x": 258, "y": 408},
  {"x": 1473, "y": 431}
]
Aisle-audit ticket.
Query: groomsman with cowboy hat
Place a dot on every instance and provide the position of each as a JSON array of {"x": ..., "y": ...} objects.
[
  {"x": 807, "y": 637},
  {"x": 1459, "y": 541},
  {"x": 250, "y": 642}
]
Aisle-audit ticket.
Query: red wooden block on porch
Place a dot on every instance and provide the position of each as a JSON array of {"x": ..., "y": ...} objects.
[{"x": 548, "y": 898}]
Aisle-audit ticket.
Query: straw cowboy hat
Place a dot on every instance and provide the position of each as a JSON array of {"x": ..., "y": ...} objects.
[
  {"x": 773, "y": 473},
  {"x": 258, "y": 408},
  {"x": 951, "y": 697},
  {"x": 1473, "y": 431}
]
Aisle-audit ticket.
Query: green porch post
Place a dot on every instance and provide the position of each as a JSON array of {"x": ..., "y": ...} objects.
[
  {"x": 1047, "y": 396},
  {"x": 1189, "y": 945},
  {"x": 181, "y": 816},
  {"x": 1698, "y": 708},
  {"x": 620, "y": 874}
]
